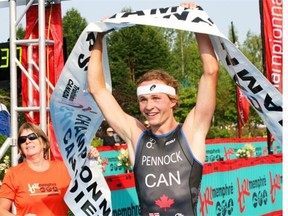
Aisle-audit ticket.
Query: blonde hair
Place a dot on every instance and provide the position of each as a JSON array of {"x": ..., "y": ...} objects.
[{"x": 165, "y": 78}]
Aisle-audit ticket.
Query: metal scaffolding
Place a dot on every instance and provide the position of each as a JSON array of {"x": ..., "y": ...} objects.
[{"x": 41, "y": 42}]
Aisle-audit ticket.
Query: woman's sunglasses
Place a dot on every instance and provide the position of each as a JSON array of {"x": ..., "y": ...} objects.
[{"x": 31, "y": 136}]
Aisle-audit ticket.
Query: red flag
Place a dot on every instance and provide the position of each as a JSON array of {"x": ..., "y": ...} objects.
[
  {"x": 54, "y": 62},
  {"x": 243, "y": 110},
  {"x": 242, "y": 103},
  {"x": 271, "y": 24},
  {"x": 271, "y": 16}
]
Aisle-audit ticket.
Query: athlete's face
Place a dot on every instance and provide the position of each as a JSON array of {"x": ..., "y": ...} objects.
[{"x": 156, "y": 108}]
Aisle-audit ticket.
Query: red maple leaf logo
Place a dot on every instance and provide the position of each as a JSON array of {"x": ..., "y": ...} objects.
[{"x": 164, "y": 202}]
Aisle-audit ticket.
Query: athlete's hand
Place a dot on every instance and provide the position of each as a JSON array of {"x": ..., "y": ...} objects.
[{"x": 190, "y": 5}]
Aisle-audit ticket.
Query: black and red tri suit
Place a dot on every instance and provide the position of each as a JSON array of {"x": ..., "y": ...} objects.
[{"x": 167, "y": 175}]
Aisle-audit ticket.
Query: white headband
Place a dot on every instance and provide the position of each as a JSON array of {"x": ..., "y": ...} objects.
[{"x": 155, "y": 88}]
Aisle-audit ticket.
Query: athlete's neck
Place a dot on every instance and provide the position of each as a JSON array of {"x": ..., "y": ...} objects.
[{"x": 164, "y": 128}]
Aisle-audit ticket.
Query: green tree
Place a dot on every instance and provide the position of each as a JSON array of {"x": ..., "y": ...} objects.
[
  {"x": 132, "y": 52},
  {"x": 187, "y": 98},
  {"x": 20, "y": 34},
  {"x": 73, "y": 25},
  {"x": 226, "y": 112},
  {"x": 252, "y": 49},
  {"x": 185, "y": 65}
]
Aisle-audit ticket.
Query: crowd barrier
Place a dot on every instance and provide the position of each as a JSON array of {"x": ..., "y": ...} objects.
[
  {"x": 225, "y": 149},
  {"x": 242, "y": 187},
  {"x": 229, "y": 187}
]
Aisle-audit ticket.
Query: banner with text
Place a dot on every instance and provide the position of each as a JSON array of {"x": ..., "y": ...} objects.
[
  {"x": 76, "y": 117},
  {"x": 123, "y": 186},
  {"x": 242, "y": 187},
  {"x": 271, "y": 24},
  {"x": 226, "y": 149},
  {"x": 263, "y": 96}
]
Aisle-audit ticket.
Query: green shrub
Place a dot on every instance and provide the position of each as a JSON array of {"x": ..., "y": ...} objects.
[
  {"x": 97, "y": 142},
  {"x": 216, "y": 132}
]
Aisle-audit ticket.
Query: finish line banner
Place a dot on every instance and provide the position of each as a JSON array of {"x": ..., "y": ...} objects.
[
  {"x": 76, "y": 117},
  {"x": 262, "y": 95}
]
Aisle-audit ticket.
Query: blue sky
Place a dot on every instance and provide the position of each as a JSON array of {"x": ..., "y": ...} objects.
[{"x": 243, "y": 13}]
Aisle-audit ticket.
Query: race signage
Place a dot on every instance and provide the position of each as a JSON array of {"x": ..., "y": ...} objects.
[
  {"x": 263, "y": 96},
  {"x": 249, "y": 186},
  {"x": 76, "y": 117}
]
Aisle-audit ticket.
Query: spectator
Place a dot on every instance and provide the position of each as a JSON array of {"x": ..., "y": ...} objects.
[
  {"x": 111, "y": 138},
  {"x": 37, "y": 185},
  {"x": 108, "y": 139}
]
